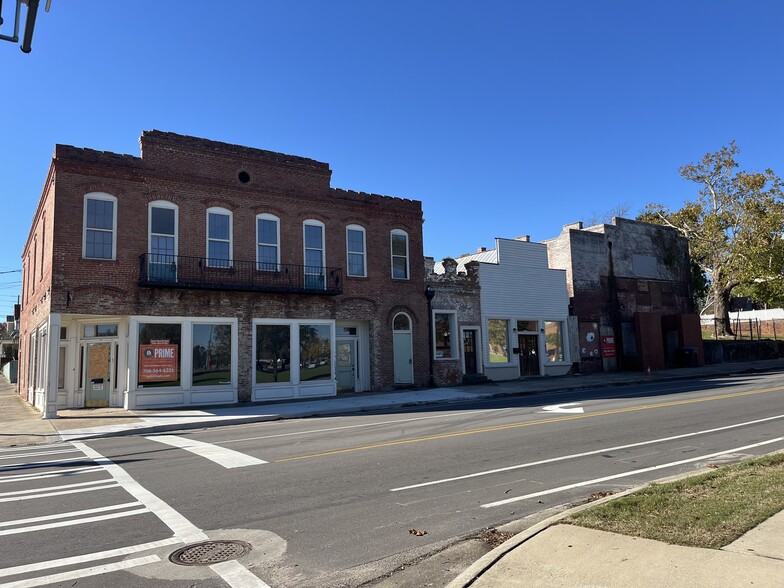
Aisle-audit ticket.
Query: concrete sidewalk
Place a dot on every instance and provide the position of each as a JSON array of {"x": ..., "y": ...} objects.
[
  {"x": 569, "y": 556},
  {"x": 20, "y": 424},
  {"x": 547, "y": 554}
]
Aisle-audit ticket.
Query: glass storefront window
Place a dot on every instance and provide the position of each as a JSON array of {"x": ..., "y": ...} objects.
[
  {"x": 159, "y": 355},
  {"x": 211, "y": 355},
  {"x": 531, "y": 326},
  {"x": 315, "y": 352},
  {"x": 443, "y": 328},
  {"x": 498, "y": 340},
  {"x": 61, "y": 369},
  {"x": 108, "y": 330},
  {"x": 273, "y": 353},
  {"x": 553, "y": 332}
]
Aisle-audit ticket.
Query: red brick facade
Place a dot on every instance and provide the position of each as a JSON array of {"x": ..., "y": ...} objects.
[
  {"x": 628, "y": 281},
  {"x": 195, "y": 175}
]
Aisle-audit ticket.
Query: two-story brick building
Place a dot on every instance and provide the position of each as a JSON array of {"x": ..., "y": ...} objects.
[{"x": 203, "y": 272}]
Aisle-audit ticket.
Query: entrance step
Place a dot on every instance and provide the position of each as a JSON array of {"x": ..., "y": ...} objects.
[{"x": 475, "y": 379}]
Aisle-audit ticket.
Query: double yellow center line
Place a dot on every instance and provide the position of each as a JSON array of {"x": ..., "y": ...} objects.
[{"x": 530, "y": 424}]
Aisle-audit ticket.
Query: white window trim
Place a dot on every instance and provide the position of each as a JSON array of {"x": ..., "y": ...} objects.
[
  {"x": 564, "y": 342},
  {"x": 453, "y": 330},
  {"x": 314, "y": 223},
  {"x": 361, "y": 229},
  {"x": 392, "y": 255},
  {"x": 234, "y": 352},
  {"x": 163, "y": 204},
  {"x": 223, "y": 212},
  {"x": 509, "y": 342},
  {"x": 410, "y": 328},
  {"x": 98, "y": 196},
  {"x": 268, "y": 217},
  {"x": 186, "y": 360},
  {"x": 294, "y": 343}
]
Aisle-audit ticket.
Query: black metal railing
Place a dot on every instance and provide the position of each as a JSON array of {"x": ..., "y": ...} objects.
[{"x": 181, "y": 271}]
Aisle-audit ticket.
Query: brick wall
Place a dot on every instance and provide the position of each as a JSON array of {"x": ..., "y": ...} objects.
[
  {"x": 457, "y": 292},
  {"x": 196, "y": 174}
]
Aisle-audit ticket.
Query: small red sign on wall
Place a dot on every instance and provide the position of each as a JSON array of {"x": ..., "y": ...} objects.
[{"x": 608, "y": 346}]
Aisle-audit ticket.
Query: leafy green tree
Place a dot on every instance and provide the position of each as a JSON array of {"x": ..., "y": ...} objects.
[{"x": 735, "y": 228}]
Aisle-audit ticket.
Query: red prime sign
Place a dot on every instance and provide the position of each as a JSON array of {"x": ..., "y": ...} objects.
[
  {"x": 158, "y": 362},
  {"x": 608, "y": 346}
]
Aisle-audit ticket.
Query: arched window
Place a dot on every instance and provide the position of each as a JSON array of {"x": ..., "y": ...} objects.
[
  {"x": 315, "y": 262},
  {"x": 219, "y": 237},
  {"x": 399, "y": 248},
  {"x": 401, "y": 322},
  {"x": 99, "y": 226},
  {"x": 162, "y": 240},
  {"x": 355, "y": 251},
  {"x": 267, "y": 242}
]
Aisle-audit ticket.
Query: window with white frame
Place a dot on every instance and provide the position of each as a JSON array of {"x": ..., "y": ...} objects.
[
  {"x": 313, "y": 234},
  {"x": 267, "y": 242},
  {"x": 163, "y": 220},
  {"x": 355, "y": 250},
  {"x": 219, "y": 237},
  {"x": 399, "y": 247},
  {"x": 159, "y": 355},
  {"x": 445, "y": 334},
  {"x": 100, "y": 226},
  {"x": 212, "y": 351},
  {"x": 498, "y": 340},
  {"x": 553, "y": 337},
  {"x": 273, "y": 353}
]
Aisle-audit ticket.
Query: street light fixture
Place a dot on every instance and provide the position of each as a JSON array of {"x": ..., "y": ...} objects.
[{"x": 32, "y": 12}]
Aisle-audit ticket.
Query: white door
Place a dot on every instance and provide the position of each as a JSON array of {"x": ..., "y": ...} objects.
[
  {"x": 402, "y": 349},
  {"x": 346, "y": 365}
]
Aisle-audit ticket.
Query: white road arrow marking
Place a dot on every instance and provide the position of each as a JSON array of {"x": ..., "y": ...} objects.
[{"x": 564, "y": 408}]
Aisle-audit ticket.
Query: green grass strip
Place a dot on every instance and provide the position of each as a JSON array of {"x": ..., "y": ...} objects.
[{"x": 708, "y": 510}]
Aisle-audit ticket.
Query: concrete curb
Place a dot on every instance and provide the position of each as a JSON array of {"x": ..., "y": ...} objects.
[
  {"x": 484, "y": 563},
  {"x": 145, "y": 428}
]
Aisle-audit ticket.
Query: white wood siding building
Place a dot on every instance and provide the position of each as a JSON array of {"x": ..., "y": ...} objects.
[{"x": 525, "y": 309}]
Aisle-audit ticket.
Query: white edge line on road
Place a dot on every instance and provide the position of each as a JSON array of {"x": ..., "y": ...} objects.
[
  {"x": 109, "y": 485},
  {"x": 48, "y": 488},
  {"x": 228, "y": 458},
  {"x": 67, "y": 515},
  {"x": 43, "y": 475},
  {"x": 55, "y": 452},
  {"x": 25, "y": 465},
  {"x": 33, "y": 448},
  {"x": 182, "y": 528},
  {"x": 105, "y": 517},
  {"x": 83, "y": 573},
  {"x": 80, "y": 559},
  {"x": 584, "y": 454},
  {"x": 630, "y": 473}
]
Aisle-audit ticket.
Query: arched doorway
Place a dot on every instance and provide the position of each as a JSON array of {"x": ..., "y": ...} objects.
[{"x": 402, "y": 349}]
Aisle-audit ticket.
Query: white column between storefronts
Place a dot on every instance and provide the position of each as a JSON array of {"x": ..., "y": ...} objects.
[{"x": 50, "y": 381}]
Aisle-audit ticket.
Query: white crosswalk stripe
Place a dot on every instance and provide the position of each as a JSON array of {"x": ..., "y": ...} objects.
[{"x": 227, "y": 458}]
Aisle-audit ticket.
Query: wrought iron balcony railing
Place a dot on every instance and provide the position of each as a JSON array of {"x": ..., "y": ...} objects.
[{"x": 181, "y": 271}]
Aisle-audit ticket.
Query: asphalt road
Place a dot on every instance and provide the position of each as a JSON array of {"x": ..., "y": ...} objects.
[{"x": 332, "y": 501}]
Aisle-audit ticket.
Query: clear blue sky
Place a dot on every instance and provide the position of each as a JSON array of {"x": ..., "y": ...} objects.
[{"x": 504, "y": 117}]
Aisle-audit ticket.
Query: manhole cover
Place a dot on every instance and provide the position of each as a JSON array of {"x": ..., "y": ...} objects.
[{"x": 209, "y": 552}]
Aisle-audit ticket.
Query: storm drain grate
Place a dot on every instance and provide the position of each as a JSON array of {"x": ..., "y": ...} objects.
[{"x": 209, "y": 552}]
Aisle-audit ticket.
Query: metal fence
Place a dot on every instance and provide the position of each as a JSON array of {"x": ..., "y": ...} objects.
[{"x": 748, "y": 329}]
